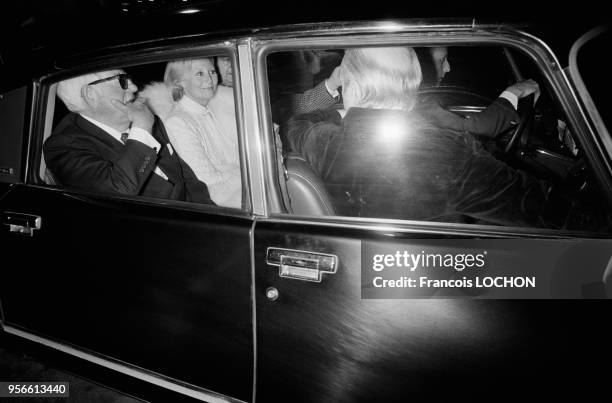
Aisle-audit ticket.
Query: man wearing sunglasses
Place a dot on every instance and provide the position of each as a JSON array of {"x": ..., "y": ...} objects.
[{"x": 112, "y": 143}]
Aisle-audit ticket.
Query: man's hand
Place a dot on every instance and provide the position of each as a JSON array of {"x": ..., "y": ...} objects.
[
  {"x": 333, "y": 82},
  {"x": 139, "y": 114},
  {"x": 525, "y": 88}
]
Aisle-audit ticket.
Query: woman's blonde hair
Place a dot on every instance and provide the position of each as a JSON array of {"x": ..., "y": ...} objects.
[{"x": 389, "y": 77}]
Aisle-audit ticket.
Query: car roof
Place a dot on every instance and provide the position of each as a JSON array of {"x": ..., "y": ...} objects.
[{"x": 86, "y": 27}]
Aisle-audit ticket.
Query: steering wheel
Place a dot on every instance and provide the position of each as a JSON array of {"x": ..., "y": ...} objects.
[{"x": 526, "y": 111}]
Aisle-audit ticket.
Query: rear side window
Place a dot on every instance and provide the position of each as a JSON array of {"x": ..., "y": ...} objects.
[
  {"x": 162, "y": 130},
  {"x": 428, "y": 134}
]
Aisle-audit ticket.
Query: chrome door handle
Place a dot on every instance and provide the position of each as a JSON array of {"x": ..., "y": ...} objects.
[
  {"x": 302, "y": 265},
  {"x": 21, "y": 223}
]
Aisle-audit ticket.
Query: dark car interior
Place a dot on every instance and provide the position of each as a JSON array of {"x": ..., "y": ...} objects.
[{"x": 541, "y": 144}]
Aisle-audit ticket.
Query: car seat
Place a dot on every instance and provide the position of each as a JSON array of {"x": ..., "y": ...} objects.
[{"x": 306, "y": 192}]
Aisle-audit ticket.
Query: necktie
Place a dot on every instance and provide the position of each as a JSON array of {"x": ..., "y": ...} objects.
[{"x": 124, "y": 137}]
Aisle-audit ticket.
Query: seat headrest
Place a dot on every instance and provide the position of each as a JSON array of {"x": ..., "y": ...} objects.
[{"x": 306, "y": 190}]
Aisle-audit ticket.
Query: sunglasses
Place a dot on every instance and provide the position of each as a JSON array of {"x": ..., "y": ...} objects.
[{"x": 124, "y": 80}]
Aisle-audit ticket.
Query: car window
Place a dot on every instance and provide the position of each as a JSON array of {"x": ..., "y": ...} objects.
[
  {"x": 161, "y": 130},
  {"x": 417, "y": 134}
]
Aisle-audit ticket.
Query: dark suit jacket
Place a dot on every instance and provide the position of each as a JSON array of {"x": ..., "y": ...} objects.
[
  {"x": 83, "y": 156},
  {"x": 498, "y": 117}
]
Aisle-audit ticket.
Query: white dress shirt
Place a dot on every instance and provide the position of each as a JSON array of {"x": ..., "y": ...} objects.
[
  {"x": 209, "y": 148},
  {"x": 512, "y": 98}
]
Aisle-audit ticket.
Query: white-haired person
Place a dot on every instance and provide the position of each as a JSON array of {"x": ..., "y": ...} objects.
[
  {"x": 383, "y": 159},
  {"x": 111, "y": 142},
  {"x": 202, "y": 130}
]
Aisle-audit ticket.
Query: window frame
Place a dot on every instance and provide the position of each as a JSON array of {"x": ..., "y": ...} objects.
[
  {"x": 417, "y": 35},
  {"x": 42, "y": 93},
  {"x": 593, "y": 114}
]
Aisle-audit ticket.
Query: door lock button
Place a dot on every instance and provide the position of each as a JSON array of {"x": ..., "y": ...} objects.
[{"x": 272, "y": 293}]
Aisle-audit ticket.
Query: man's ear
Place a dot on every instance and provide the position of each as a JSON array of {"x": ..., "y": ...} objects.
[{"x": 89, "y": 95}]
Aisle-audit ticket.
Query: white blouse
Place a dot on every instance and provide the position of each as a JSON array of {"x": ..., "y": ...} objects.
[{"x": 209, "y": 145}]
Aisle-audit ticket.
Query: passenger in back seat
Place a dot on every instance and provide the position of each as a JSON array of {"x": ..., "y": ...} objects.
[{"x": 111, "y": 142}]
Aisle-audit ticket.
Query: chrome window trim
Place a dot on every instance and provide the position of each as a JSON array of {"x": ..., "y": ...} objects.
[
  {"x": 593, "y": 118},
  {"x": 165, "y": 382},
  {"x": 253, "y": 306},
  {"x": 396, "y": 226},
  {"x": 47, "y": 127},
  {"x": 252, "y": 133},
  {"x": 29, "y": 140},
  {"x": 106, "y": 198},
  {"x": 529, "y": 45}
]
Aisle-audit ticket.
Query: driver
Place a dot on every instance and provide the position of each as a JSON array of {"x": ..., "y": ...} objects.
[
  {"x": 383, "y": 159},
  {"x": 498, "y": 117}
]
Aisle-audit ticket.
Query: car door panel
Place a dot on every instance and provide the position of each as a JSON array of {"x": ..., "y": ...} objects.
[
  {"x": 159, "y": 287},
  {"x": 321, "y": 342}
]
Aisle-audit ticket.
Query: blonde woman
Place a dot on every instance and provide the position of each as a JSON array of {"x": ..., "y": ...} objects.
[{"x": 203, "y": 130}]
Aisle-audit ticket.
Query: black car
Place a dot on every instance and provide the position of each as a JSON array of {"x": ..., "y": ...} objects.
[{"x": 268, "y": 301}]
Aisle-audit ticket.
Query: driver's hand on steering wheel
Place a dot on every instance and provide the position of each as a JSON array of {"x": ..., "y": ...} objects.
[{"x": 525, "y": 88}]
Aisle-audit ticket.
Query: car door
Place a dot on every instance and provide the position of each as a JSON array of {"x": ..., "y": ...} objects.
[
  {"x": 155, "y": 289},
  {"x": 324, "y": 335}
]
